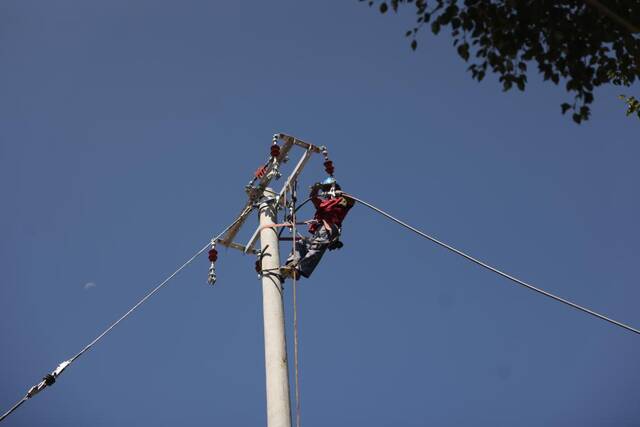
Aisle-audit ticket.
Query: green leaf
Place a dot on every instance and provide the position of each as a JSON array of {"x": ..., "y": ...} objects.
[
  {"x": 512, "y": 38},
  {"x": 463, "y": 51}
]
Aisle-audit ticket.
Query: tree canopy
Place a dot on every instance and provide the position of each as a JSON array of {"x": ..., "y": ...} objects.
[{"x": 581, "y": 44}]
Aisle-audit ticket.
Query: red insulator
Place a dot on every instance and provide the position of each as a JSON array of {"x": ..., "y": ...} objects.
[
  {"x": 328, "y": 167},
  {"x": 275, "y": 150},
  {"x": 259, "y": 173},
  {"x": 258, "y": 267},
  {"x": 213, "y": 255}
]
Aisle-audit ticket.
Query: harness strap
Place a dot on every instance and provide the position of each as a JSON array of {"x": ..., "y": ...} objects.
[{"x": 288, "y": 224}]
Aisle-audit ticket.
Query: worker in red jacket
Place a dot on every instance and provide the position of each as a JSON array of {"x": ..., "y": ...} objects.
[{"x": 331, "y": 209}]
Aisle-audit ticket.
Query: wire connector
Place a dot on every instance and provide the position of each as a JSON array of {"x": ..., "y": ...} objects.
[{"x": 48, "y": 379}]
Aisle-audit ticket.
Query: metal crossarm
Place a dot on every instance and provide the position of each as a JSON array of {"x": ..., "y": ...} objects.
[
  {"x": 294, "y": 175},
  {"x": 256, "y": 191},
  {"x": 299, "y": 142}
]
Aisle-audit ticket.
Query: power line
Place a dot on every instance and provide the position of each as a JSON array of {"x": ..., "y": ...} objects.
[
  {"x": 495, "y": 270},
  {"x": 51, "y": 378},
  {"x": 16, "y": 406}
]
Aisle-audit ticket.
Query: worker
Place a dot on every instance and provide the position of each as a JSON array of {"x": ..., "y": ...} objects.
[{"x": 331, "y": 209}]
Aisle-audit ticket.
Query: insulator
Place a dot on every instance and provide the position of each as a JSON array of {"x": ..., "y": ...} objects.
[
  {"x": 259, "y": 173},
  {"x": 258, "y": 266},
  {"x": 275, "y": 150},
  {"x": 328, "y": 167},
  {"x": 213, "y": 255},
  {"x": 324, "y": 152}
]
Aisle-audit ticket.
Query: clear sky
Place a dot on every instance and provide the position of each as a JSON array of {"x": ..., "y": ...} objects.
[{"x": 127, "y": 132}]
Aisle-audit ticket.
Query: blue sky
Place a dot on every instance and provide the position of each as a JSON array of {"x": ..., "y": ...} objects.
[{"x": 128, "y": 130}]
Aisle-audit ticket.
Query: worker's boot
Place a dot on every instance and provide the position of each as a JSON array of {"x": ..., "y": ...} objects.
[{"x": 289, "y": 271}]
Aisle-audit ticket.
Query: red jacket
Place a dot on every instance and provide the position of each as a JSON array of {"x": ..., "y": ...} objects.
[{"x": 331, "y": 211}]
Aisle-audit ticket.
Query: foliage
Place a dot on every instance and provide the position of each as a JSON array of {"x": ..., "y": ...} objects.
[
  {"x": 633, "y": 104},
  {"x": 570, "y": 41}
]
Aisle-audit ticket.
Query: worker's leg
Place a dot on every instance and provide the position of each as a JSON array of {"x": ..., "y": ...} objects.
[
  {"x": 316, "y": 247},
  {"x": 299, "y": 251}
]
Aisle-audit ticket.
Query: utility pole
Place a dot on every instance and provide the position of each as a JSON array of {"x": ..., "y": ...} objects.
[{"x": 275, "y": 345}]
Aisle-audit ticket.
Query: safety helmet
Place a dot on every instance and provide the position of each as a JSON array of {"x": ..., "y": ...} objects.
[{"x": 329, "y": 181}]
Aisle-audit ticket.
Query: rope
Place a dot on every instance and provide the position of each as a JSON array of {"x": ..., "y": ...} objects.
[
  {"x": 295, "y": 210},
  {"x": 42, "y": 385},
  {"x": 495, "y": 270},
  {"x": 295, "y": 305}
]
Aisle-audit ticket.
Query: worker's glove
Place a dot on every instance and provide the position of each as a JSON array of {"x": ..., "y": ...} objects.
[{"x": 315, "y": 187}]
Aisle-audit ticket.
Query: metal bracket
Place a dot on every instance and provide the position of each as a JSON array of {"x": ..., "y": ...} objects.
[
  {"x": 242, "y": 248},
  {"x": 294, "y": 175},
  {"x": 257, "y": 192}
]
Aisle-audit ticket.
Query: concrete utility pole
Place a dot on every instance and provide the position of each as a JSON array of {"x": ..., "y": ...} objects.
[{"x": 275, "y": 345}]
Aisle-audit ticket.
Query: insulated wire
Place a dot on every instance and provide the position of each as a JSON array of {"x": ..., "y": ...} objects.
[
  {"x": 495, "y": 270},
  {"x": 131, "y": 310},
  {"x": 156, "y": 289},
  {"x": 16, "y": 406},
  {"x": 146, "y": 297}
]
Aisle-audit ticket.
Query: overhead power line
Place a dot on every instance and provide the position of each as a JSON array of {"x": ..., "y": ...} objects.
[
  {"x": 51, "y": 378},
  {"x": 495, "y": 270}
]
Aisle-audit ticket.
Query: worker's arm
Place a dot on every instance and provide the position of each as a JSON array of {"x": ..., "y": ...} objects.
[
  {"x": 313, "y": 195},
  {"x": 348, "y": 200}
]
